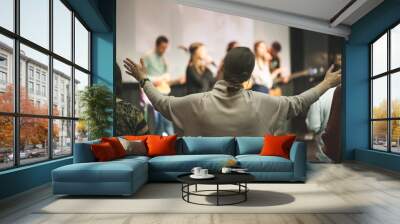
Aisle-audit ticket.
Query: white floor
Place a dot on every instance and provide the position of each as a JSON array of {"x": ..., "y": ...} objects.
[{"x": 376, "y": 189}]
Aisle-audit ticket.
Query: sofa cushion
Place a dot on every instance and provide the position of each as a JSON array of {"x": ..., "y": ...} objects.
[
  {"x": 185, "y": 163},
  {"x": 249, "y": 145},
  {"x": 112, "y": 171},
  {"x": 257, "y": 163},
  {"x": 133, "y": 158},
  {"x": 83, "y": 152},
  {"x": 206, "y": 145}
]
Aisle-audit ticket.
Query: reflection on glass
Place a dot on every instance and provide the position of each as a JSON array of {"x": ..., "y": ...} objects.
[
  {"x": 7, "y": 14},
  {"x": 33, "y": 139},
  {"x": 395, "y": 94},
  {"x": 6, "y": 74},
  {"x": 81, "y": 82},
  {"x": 379, "y": 135},
  {"x": 62, "y": 89},
  {"x": 379, "y": 55},
  {"x": 62, "y": 29},
  {"x": 35, "y": 21},
  {"x": 34, "y": 94},
  {"x": 81, "y": 45},
  {"x": 6, "y": 142},
  {"x": 395, "y": 138},
  {"x": 379, "y": 97},
  {"x": 81, "y": 131},
  {"x": 395, "y": 47},
  {"x": 62, "y": 138}
]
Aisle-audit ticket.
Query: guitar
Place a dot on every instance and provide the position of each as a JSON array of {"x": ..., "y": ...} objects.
[
  {"x": 281, "y": 80},
  {"x": 163, "y": 87},
  {"x": 277, "y": 91},
  {"x": 303, "y": 73}
]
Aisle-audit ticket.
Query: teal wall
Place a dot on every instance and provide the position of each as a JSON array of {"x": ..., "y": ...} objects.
[
  {"x": 380, "y": 159},
  {"x": 24, "y": 178},
  {"x": 100, "y": 16},
  {"x": 103, "y": 59},
  {"x": 356, "y": 85},
  {"x": 103, "y": 49}
]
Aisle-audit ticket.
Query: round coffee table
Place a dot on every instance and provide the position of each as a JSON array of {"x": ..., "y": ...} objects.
[{"x": 238, "y": 179}]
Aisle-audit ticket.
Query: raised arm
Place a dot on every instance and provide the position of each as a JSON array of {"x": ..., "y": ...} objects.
[
  {"x": 161, "y": 102},
  {"x": 300, "y": 103}
]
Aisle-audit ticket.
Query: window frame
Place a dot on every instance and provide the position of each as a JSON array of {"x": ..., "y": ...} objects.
[
  {"x": 388, "y": 74},
  {"x": 16, "y": 115}
]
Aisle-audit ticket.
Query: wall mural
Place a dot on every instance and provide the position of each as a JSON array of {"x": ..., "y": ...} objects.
[{"x": 183, "y": 52}]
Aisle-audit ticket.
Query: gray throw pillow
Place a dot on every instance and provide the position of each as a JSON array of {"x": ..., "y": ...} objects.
[{"x": 136, "y": 147}]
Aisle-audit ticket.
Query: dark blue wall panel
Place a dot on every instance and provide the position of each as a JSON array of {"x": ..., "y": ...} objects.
[
  {"x": 91, "y": 14},
  {"x": 380, "y": 159},
  {"x": 103, "y": 49},
  {"x": 356, "y": 99},
  {"x": 356, "y": 84}
]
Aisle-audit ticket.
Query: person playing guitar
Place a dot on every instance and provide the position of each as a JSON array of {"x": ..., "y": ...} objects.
[
  {"x": 277, "y": 73},
  {"x": 157, "y": 70}
]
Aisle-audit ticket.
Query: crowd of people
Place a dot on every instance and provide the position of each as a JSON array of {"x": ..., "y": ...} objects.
[
  {"x": 227, "y": 109},
  {"x": 223, "y": 94},
  {"x": 199, "y": 77}
]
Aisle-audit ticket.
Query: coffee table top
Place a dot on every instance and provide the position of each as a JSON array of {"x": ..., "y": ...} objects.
[{"x": 220, "y": 178}]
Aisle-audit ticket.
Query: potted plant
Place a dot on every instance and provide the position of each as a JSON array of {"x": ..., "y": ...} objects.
[{"x": 96, "y": 103}]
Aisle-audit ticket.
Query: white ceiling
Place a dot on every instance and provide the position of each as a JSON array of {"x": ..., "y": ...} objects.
[
  {"x": 319, "y": 9},
  {"x": 314, "y": 15}
]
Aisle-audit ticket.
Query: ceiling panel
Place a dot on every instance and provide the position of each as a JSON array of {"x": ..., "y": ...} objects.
[
  {"x": 314, "y": 15},
  {"x": 320, "y": 9}
]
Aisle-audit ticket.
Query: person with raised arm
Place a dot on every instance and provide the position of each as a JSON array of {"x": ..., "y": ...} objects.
[{"x": 228, "y": 109}]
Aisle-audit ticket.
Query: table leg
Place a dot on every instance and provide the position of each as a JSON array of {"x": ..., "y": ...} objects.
[
  {"x": 182, "y": 188},
  {"x": 217, "y": 194},
  {"x": 245, "y": 193},
  {"x": 188, "y": 190},
  {"x": 195, "y": 188}
]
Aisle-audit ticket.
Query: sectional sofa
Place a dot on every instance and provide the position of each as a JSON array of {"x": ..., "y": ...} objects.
[{"x": 125, "y": 176}]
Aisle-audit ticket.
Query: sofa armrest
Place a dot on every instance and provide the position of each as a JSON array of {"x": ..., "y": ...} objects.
[
  {"x": 298, "y": 155},
  {"x": 83, "y": 152}
]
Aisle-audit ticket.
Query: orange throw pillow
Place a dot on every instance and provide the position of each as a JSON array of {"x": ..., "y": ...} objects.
[
  {"x": 277, "y": 145},
  {"x": 136, "y": 137},
  {"x": 103, "y": 152},
  {"x": 161, "y": 145},
  {"x": 116, "y": 145}
]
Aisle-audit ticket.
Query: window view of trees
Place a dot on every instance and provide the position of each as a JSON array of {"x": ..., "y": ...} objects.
[
  {"x": 40, "y": 123},
  {"x": 380, "y": 134},
  {"x": 385, "y": 94},
  {"x": 33, "y": 132},
  {"x": 6, "y": 142},
  {"x": 395, "y": 135}
]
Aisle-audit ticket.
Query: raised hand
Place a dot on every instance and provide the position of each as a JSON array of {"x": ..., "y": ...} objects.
[
  {"x": 333, "y": 78},
  {"x": 135, "y": 70}
]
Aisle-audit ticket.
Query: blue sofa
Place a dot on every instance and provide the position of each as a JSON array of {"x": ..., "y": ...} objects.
[{"x": 125, "y": 176}]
